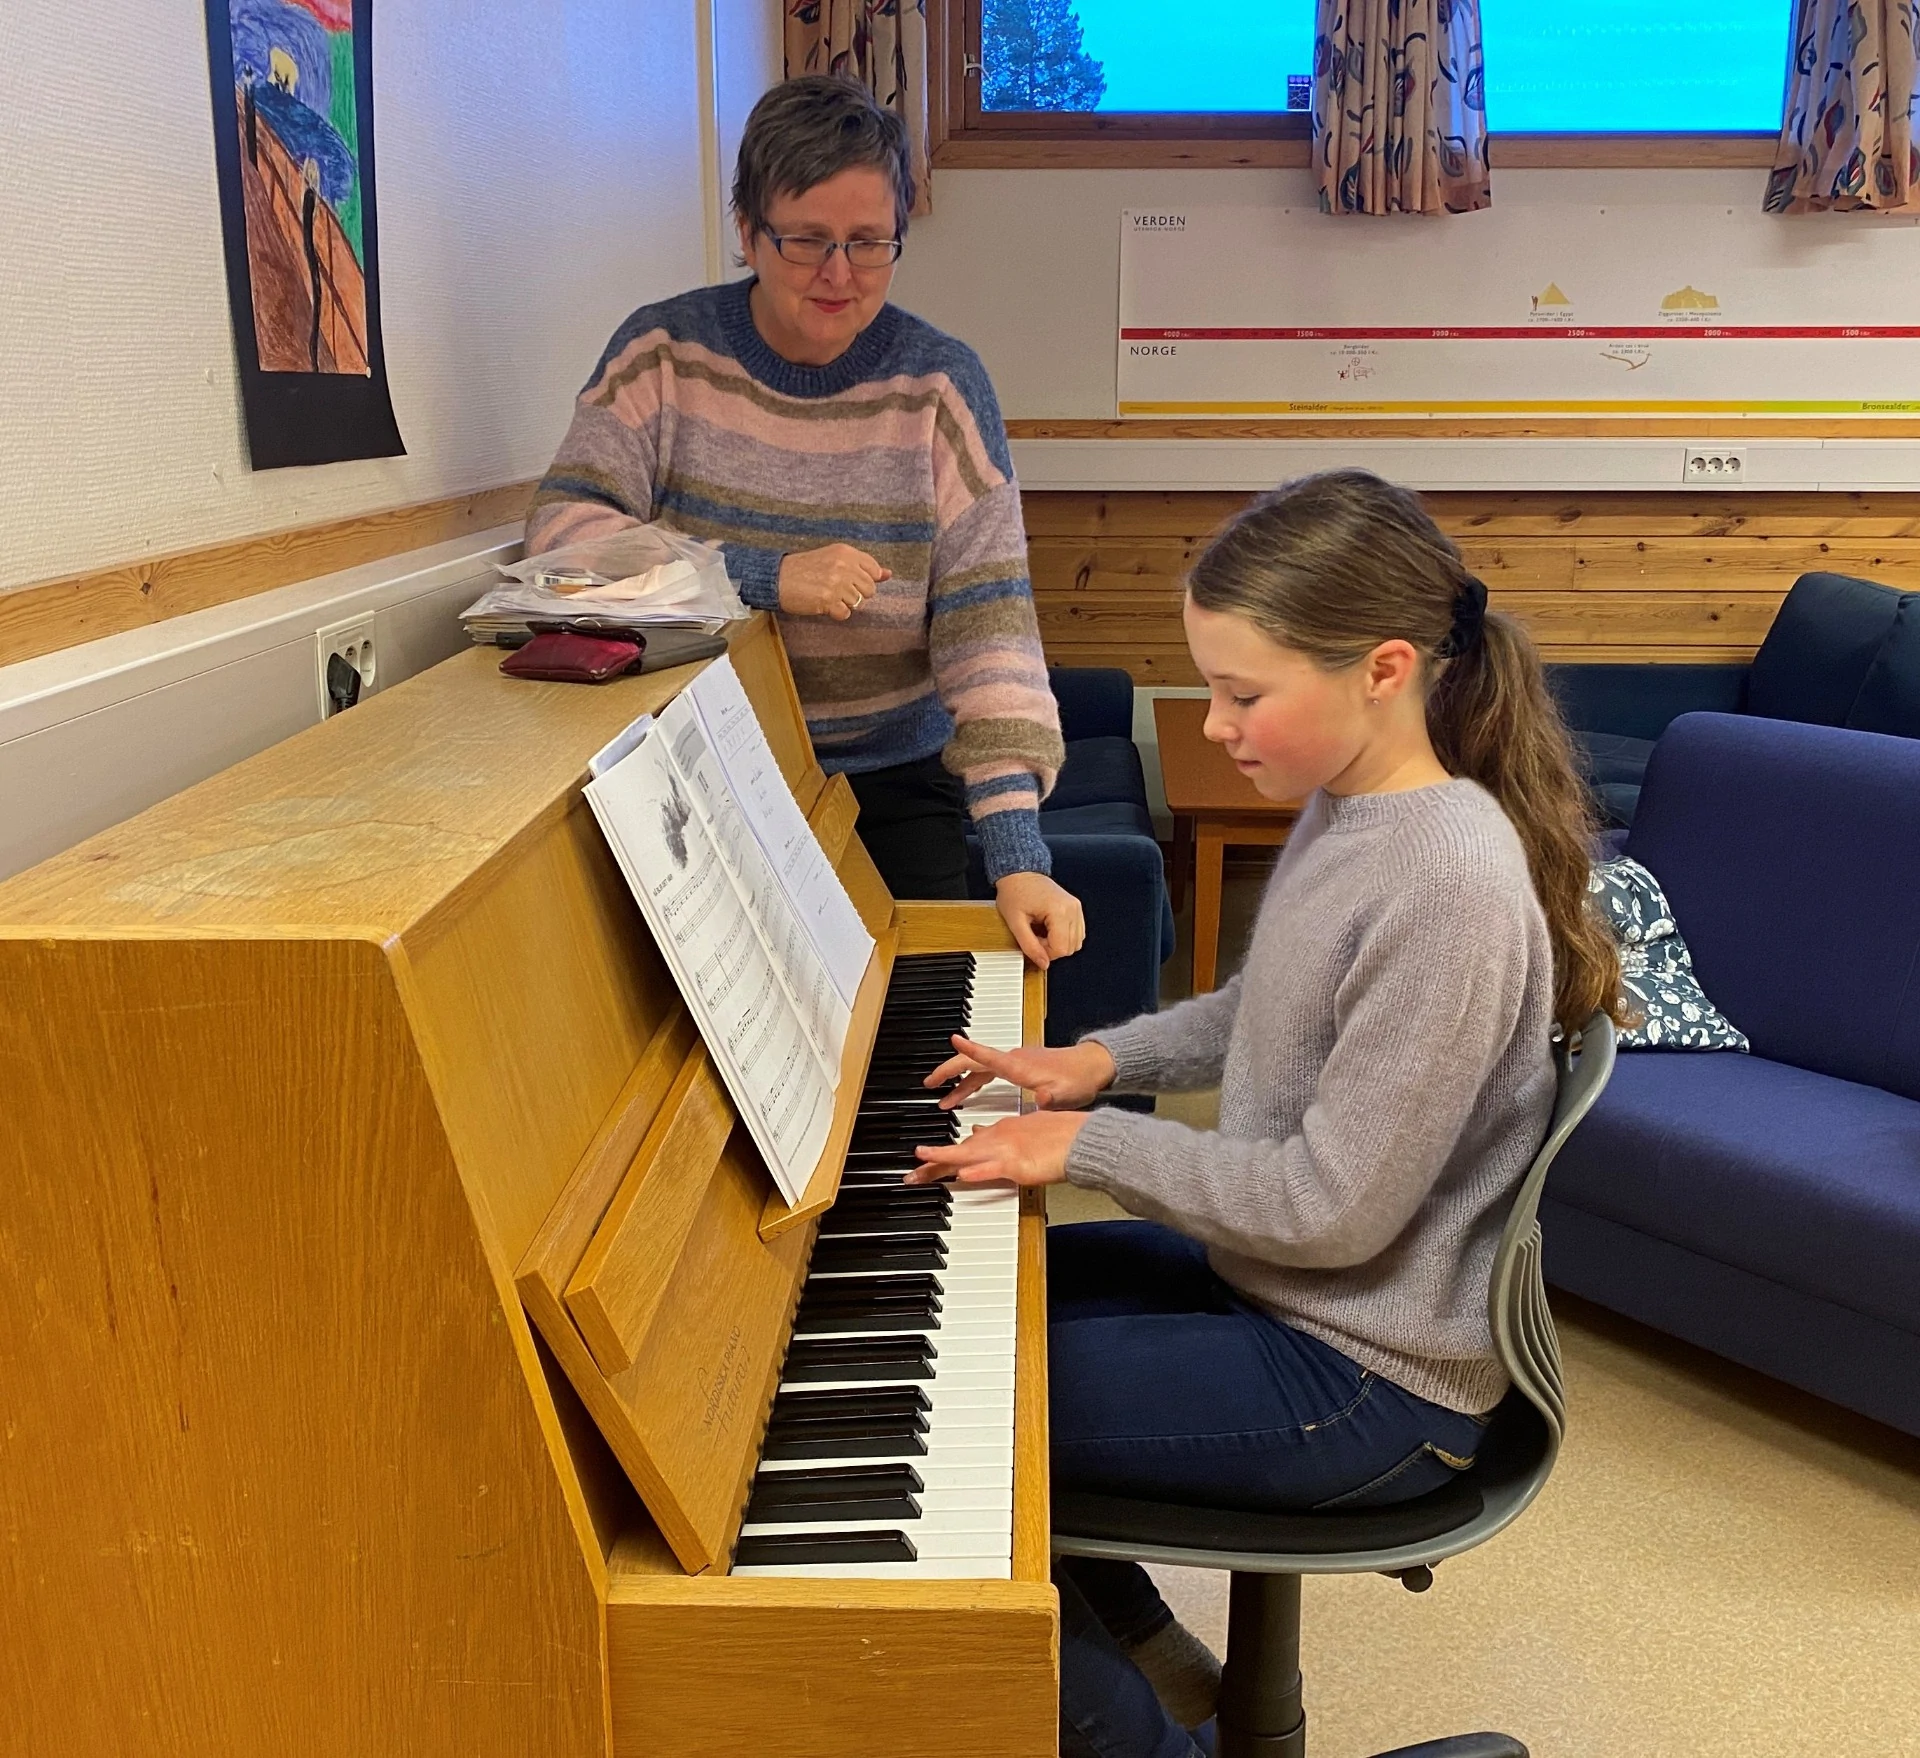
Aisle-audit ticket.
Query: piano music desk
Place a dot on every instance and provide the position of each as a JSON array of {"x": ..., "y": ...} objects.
[{"x": 299, "y": 1068}]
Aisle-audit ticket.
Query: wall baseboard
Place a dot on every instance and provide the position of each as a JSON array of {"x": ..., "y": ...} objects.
[
  {"x": 92, "y": 734},
  {"x": 44, "y": 618}
]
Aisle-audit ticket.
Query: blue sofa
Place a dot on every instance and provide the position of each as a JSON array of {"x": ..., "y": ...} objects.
[
  {"x": 1100, "y": 832},
  {"x": 1767, "y": 1206},
  {"x": 1841, "y": 652}
]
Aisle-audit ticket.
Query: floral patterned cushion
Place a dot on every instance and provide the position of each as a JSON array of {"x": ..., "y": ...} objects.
[{"x": 1655, "y": 966}]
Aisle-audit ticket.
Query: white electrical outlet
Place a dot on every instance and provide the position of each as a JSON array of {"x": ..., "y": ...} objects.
[
  {"x": 352, "y": 640},
  {"x": 1716, "y": 466}
]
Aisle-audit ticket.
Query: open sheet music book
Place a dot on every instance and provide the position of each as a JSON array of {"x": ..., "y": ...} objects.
[{"x": 749, "y": 914}]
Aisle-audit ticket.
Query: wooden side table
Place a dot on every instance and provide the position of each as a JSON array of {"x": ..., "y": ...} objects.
[{"x": 1214, "y": 806}]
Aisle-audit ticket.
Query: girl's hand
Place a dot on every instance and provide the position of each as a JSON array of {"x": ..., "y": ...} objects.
[
  {"x": 1058, "y": 1079},
  {"x": 1021, "y": 1150}
]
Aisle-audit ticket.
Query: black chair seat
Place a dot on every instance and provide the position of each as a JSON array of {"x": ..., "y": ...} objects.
[
  {"x": 1332, "y": 1532},
  {"x": 1511, "y": 1451}
]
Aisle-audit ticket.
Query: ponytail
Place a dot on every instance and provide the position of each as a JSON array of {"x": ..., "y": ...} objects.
[
  {"x": 1333, "y": 565},
  {"x": 1492, "y": 719}
]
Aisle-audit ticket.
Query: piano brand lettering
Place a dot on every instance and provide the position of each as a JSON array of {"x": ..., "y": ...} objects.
[{"x": 723, "y": 1392}]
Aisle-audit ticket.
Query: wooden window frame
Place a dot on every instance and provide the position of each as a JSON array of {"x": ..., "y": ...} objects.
[{"x": 966, "y": 138}]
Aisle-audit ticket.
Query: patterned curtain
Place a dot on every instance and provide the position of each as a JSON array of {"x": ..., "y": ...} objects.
[
  {"x": 881, "y": 43},
  {"x": 1399, "y": 107},
  {"x": 1851, "y": 91}
]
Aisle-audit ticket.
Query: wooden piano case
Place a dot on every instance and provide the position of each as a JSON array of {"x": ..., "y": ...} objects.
[{"x": 316, "y": 1082}]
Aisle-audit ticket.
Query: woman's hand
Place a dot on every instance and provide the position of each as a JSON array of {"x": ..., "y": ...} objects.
[
  {"x": 1046, "y": 919},
  {"x": 1021, "y": 1150},
  {"x": 830, "y": 582},
  {"x": 1058, "y": 1079}
]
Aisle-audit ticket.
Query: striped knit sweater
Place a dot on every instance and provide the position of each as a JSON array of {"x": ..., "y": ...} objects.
[{"x": 897, "y": 448}]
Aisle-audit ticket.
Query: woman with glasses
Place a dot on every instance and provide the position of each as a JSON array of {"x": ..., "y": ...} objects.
[{"x": 851, "y": 463}]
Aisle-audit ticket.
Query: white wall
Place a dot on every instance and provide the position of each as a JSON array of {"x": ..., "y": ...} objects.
[
  {"x": 96, "y": 733},
  {"x": 751, "y": 56},
  {"x": 1024, "y": 265},
  {"x": 537, "y": 177}
]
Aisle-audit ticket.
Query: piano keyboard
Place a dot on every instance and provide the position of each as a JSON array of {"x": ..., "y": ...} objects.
[{"x": 889, "y": 1452}]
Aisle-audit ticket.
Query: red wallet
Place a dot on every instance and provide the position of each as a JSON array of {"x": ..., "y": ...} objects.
[{"x": 561, "y": 656}]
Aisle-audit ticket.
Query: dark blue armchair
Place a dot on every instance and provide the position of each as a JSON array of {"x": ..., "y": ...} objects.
[
  {"x": 1841, "y": 652},
  {"x": 1100, "y": 832}
]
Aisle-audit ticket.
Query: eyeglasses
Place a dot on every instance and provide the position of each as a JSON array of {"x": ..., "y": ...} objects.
[{"x": 807, "y": 252}]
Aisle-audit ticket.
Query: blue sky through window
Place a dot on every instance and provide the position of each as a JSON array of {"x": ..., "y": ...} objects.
[{"x": 1634, "y": 65}]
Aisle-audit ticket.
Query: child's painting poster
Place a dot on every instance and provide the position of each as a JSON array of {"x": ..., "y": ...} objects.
[{"x": 293, "y": 122}]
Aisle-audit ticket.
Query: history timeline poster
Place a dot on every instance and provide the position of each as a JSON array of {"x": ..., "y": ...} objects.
[{"x": 293, "y": 145}]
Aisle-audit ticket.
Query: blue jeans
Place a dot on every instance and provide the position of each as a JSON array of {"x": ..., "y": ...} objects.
[{"x": 1166, "y": 1385}]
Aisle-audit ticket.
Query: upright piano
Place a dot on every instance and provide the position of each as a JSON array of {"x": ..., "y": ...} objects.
[{"x": 403, "y": 1348}]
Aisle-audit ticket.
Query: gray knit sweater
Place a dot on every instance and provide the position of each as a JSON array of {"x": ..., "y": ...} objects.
[{"x": 1385, "y": 1078}]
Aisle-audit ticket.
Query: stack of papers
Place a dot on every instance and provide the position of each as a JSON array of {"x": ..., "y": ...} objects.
[
  {"x": 643, "y": 576},
  {"x": 761, "y": 936}
]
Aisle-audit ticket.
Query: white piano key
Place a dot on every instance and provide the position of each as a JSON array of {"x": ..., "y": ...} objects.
[
  {"x": 993, "y": 1566},
  {"x": 960, "y": 1535},
  {"x": 966, "y": 1520}
]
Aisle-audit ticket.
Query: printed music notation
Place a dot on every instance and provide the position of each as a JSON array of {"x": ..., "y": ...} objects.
[{"x": 749, "y": 914}]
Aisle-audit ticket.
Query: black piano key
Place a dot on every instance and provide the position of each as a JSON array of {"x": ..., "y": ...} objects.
[
  {"x": 868, "y": 1401},
  {"x": 905, "y": 1217},
  {"x": 805, "y": 1483},
  {"x": 903, "y": 1130},
  {"x": 876, "y": 1443},
  {"x": 852, "y": 1312},
  {"x": 900, "y": 1251},
  {"x": 836, "y": 1322},
  {"x": 788, "y": 1548},
  {"x": 935, "y": 1127},
  {"x": 886, "y": 1425},
  {"x": 903, "y": 1196},
  {"x": 839, "y": 1318},
  {"x": 859, "y": 1358},
  {"x": 843, "y": 1289},
  {"x": 882, "y": 1227},
  {"x": 835, "y": 1493},
  {"x": 897, "y": 1421}
]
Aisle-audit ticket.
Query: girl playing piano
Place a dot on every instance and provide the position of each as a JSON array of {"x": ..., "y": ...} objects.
[{"x": 1300, "y": 1319}]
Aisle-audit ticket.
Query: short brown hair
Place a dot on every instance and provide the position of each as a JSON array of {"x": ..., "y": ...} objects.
[
  {"x": 1332, "y": 565},
  {"x": 808, "y": 129}
]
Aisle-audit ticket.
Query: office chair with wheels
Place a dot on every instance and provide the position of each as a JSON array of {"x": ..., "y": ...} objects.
[{"x": 1260, "y": 1711}]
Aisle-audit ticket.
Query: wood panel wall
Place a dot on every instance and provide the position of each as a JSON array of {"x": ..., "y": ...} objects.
[
  {"x": 53, "y": 614},
  {"x": 1649, "y": 578}
]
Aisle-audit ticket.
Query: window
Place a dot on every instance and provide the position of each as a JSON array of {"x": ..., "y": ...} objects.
[{"x": 1053, "y": 67}]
